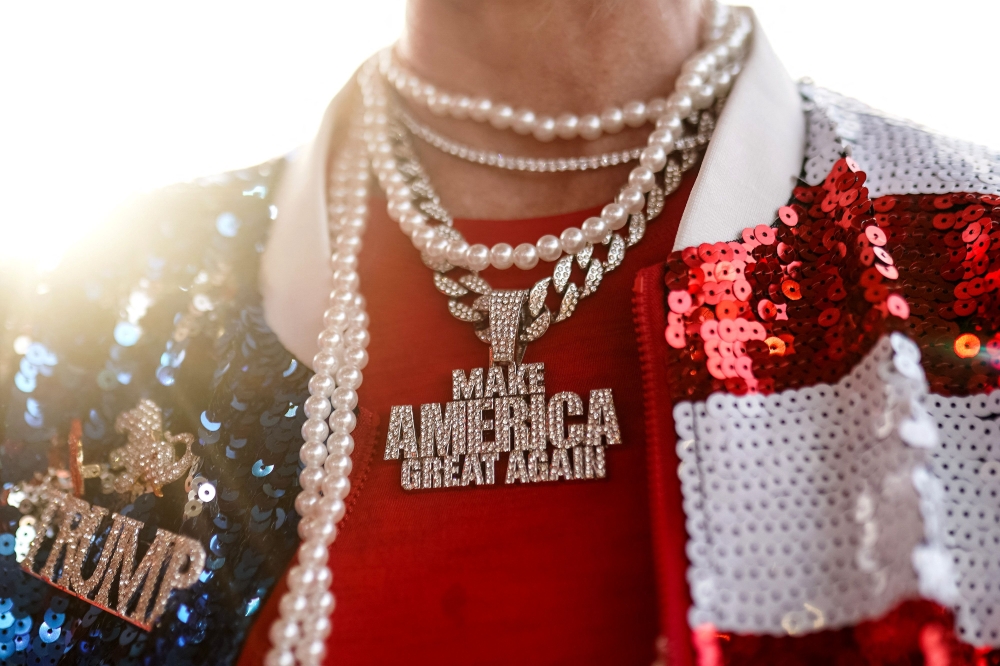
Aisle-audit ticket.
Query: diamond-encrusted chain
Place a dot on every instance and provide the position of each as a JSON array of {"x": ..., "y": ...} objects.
[{"x": 472, "y": 286}]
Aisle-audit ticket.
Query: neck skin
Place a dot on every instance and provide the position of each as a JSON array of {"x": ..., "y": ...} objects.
[{"x": 552, "y": 56}]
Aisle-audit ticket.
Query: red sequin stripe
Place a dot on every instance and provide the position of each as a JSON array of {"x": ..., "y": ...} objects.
[
  {"x": 949, "y": 267},
  {"x": 802, "y": 301},
  {"x": 916, "y": 632}
]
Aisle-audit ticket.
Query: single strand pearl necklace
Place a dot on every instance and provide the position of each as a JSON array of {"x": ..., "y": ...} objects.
[
  {"x": 523, "y": 121},
  {"x": 503, "y": 116}
]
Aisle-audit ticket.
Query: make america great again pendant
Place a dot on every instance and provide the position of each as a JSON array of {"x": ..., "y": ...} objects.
[{"x": 501, "y": 414}]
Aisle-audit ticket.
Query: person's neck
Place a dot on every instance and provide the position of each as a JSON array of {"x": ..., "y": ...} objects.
[{"x": 551, "y": 56}]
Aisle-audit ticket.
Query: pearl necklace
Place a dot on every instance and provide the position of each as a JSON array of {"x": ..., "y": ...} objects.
[
  {"x": 525, "y": 256},
  {"x": 299, "y": 634},
  {"x": 523, "y": 121},
  {"x": 441, "y": 242},
  {"x": 503, "y": 116},
  {"x": 514, "y": 163},
  {"x": 594, "y": 267}
]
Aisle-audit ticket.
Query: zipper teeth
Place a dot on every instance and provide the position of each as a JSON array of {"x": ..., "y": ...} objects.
[{"x": 666, "y": 512}]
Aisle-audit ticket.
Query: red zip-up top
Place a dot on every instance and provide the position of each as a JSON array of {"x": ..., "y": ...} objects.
[{"x": 553, "y": 573}]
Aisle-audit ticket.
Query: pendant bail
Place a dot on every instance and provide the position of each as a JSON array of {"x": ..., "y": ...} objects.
[{"x": 506, "y": 315}]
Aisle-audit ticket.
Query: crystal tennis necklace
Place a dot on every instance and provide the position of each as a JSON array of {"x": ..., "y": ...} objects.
[{"x": 514, "y": 162}]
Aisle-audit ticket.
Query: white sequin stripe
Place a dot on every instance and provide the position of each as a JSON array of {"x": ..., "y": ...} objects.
[
  {"x": 967, "y": 470},
  {"x": 802, "y": 510},
  {"x": 899, "y": 157}
]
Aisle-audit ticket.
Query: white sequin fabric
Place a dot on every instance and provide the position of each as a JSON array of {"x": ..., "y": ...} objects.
[
  {"x": 967, "y": 464},
  {"x": 899, "y": 157},
  {"x": 804, "y": 507}
]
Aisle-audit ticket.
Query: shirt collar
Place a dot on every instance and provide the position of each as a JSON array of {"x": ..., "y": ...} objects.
[
  {"x": 295, "y": 275},
  {"x": 755, "y": 155},
  {"x": 749, "y": 170}
]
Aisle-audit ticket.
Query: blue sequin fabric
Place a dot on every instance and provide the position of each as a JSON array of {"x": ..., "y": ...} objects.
[{"x": 163, "y": 306}]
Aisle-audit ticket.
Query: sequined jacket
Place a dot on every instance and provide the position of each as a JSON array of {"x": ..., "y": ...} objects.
[
  {"x": 820, "y": 419},
  {"x": 162, "y": 306},
  {"x": 822, "y": 408}
]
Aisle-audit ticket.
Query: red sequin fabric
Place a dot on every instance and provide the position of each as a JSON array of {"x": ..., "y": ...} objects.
[{"x": 801, "y": 302}]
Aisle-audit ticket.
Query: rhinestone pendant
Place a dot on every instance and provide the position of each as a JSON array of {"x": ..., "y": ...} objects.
[
  {"x": 66, "y": 530},
  {"x": 500, "y": 417}
]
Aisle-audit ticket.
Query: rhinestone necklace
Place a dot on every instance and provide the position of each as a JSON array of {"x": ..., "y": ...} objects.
[
  {"x": 510, "y": 162},
  {"x": 298, "y": 636},
  {"x": 474, "y": 290}
]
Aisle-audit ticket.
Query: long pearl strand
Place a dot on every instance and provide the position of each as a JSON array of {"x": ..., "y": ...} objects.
[
  {"x": 299, "y": 635},
  {"x": 708, "y": 74}
]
